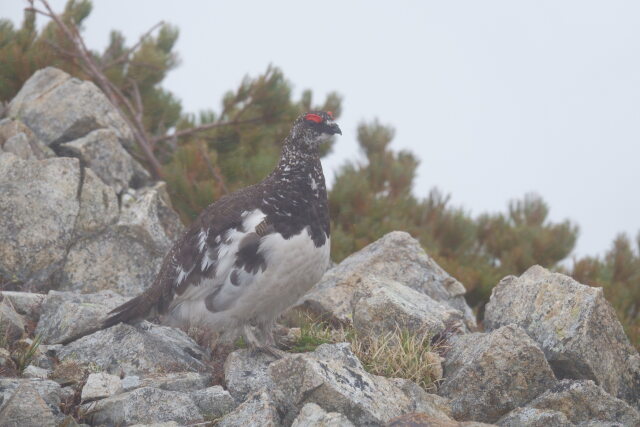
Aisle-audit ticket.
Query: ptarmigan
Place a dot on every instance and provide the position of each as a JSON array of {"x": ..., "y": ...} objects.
[{"x": 251, "y": 254}]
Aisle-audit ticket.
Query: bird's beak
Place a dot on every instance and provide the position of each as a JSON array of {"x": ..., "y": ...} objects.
[{"x": 334, "y": 129}]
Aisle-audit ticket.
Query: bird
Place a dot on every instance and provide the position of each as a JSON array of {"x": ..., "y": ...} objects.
[{"x": 251, "y": 254}]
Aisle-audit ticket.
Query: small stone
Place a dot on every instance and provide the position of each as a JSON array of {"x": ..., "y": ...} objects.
[
  {"x": 26, "y": 304},
  {"x": 7, "y": 365},
  {"x": 131, "y": 382},
  {"x": 35, "y": 372},
  {"x": 11, "y": 323},
  {"x": 213, "y": 402},
  {"x": 18, "y": 139},
  {"x": 245, "y": 372},
  {"x": 534, "y": 417},
  {"x": 312, "y": 415},
  {"x": 258, "y": 409},
  {"x": 99, "y": 386},
  {"x": 19, "y": 145},
  {"x": 167, "y": 424}
]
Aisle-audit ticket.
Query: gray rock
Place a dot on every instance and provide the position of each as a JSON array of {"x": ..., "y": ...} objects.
[
  {"x": 26, "y": 408},
  {"x": 43, "y": 358},
  {"x": 488, "y": 375},
  {"x": 583, "y": 401},
  {"x": 174, "y": 381},
  {"x": 100, "y": 385},
  {"x": 136, "y": 350},
  {"x": 98, "y": 206},
  {"x": 150, "y": 218},
  {"x": 258, "y": 410},
  {"x": 100, "y": 150},
  {"x": 59, "y": 108},
  {"x": 213, "y": 402},
  {"x": 7, "y": 365},
  {"x": 11, "y": 323},
  {"x": 334, "y": 379},
  {"x": 49, "y": 391},
  {"x": 144, "y": 405},
  {"x": 127, "y": 257},
  {"x": 26, "y": 304},
  {"x": 574, "y": 325},
  {"x": 38, "y": 209},
  {"x": 436, "y": 407},
  {"x": 419, "y": 419},
  {"x": 32, "y": 371},
  {"x": 381, "y": 306},
  {"x": 19, "y": 145},
  {"x": 246, "y": 371},
  {"x": 18, "y": 139},
  {"x": 167, "y": 424},
  {"x": 311, "y": 415},
  {"x": 533, "y": 417},
  {"x": 66, "y": 315},
  {"x": 131, "y": 382},
  {"x": 397, "y": 257},
  {"x": 113, "y": 261}
]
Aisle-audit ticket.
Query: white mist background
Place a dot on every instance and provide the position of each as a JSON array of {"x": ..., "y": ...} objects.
[{"x": 496, "y": 98}]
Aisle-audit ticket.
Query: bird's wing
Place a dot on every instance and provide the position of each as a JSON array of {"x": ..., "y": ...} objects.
[{"x": 220, "y": 247}]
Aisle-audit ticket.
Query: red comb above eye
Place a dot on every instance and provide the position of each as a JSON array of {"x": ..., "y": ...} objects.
[
  {"x": 313, "y": 118},
  {"x": 330, "y": 114}
]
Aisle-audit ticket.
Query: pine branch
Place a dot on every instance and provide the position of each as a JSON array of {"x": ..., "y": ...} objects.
[
  {"x": 202, "y": 128},
  {"x": 125, "y": 55}
]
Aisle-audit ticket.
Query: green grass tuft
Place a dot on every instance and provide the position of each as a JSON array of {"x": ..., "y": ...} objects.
[{"x": 397, "y": 354}]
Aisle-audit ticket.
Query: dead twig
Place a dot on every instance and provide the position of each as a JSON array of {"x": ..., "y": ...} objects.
[{"x": 215, "y": 172}]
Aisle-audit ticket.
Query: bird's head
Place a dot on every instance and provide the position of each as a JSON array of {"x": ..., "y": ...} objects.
[{"x": 315, "y": 127}]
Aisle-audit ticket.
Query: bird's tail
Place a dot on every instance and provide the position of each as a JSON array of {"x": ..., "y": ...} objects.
[{"x": 135, "y": 309}]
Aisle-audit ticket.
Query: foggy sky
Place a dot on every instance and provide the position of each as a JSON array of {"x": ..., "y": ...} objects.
[{"x": 496, "y": 98}]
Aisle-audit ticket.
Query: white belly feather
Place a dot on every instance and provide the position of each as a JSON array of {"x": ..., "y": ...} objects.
[{"x": 293, "y": 266}]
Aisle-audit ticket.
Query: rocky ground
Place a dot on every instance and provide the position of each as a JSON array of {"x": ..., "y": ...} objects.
[{"x": 83, "y": 227}]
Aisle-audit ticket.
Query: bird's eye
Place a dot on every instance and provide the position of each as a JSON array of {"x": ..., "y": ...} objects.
[{"x": 313, "y": 118}]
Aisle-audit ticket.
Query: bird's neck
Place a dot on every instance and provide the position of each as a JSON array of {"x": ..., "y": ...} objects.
[{"x": 298, "y": 158}]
